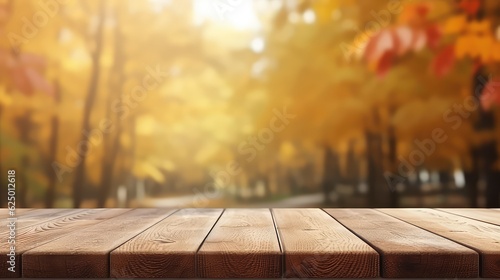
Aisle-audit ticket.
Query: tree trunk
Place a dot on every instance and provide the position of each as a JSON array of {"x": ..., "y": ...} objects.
[
  {"x": 25, "y": 127},
  {"x": 3, "y": 187},
  {"x": 331, "y": 172},
  {"x": 352, "y": 167},
  {"x": 53, "y": 143},
  {"x": 113, "y": 146},
  {"x": 485, "y": 155},
  {"x": 493, "y": 190},
  {"x": 471, "y": 180},
  {"x": 393, "y": 161},
  {"x": 79, "y": 180},
  {"x": 378, "y": 194}
]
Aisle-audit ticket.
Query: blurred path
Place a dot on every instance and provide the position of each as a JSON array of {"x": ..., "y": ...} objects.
[{"x": 308, "y": 200}]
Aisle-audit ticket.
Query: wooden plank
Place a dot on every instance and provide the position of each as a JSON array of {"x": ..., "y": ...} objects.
[
  {"x": 483, "y": 237},
  {"x": 4, "y": 212},
  {"x": 243, "y": 244},
  {"x": 167, "y": 249},
  {"x": 7, "y": 218},
  {"x": 84, "y": 253},
  {"x": 39, "y": 216},
  {"x": 484, "y": 215},
  {"x": 36, "y": 235},
  {"x": 408, "y": 251},
  {"x": 317, "y": 246}
]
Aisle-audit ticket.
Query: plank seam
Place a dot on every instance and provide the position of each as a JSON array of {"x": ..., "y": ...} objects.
[
  {"x": 457, "y": 242},
  {"x": 282, "y": 250},
  {"x": 202, "y": 242},
  {"x": 380, "y": 253},
  {"x": 470, "y": 218},
  {"x": 109, "y": 253}
]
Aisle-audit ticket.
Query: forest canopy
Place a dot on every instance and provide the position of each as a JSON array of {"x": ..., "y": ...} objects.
[{"x": 366, "y": 102}]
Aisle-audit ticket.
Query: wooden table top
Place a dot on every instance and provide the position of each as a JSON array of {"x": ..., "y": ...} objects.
[{"x": 253, "y": 243}]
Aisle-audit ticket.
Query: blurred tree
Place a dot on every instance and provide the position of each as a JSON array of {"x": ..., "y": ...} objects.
[{"x": 465, "y": 32}]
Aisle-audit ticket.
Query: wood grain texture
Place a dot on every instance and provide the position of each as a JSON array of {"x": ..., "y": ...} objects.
[
  {"x": 316, "y": 245},
  {"x": 242, "y": 244},
  {"x": 84, "y": 253},
  {"x": 484, "y": 215},
  {"x": 39, "y": 216},
  {"x": 4, "y": 212},
  {"x": 37, "y": 235},
  {"x": 408, "y": 251},
  {"x": 167, "y": 249},
  {"x": 482, "y": 237}
]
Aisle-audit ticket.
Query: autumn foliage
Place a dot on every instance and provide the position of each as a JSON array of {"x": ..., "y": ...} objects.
[{"x": 108, "y": 101}]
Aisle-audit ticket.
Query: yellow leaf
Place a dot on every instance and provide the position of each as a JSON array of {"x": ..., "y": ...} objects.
[
  {"x": 455, "y": 24},
  {"x": 324, "y": 9},
  {"x": 146, "y": 125},
  {"x": 5, "y": 99},
  {"x": 146, "y": 169}
]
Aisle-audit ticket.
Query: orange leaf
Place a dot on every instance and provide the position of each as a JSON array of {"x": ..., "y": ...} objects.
[
  {"x": 486, "y": 50},
  {"x": 466, "y": 46},
  {"x": 495, "y": 51},
  {"x": 480, "y": 27},
  {"x": 414, "y": 14},
  {"x": 455, "y": 24}
]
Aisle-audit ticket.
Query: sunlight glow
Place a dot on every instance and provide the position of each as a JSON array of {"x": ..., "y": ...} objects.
[
  {"x": 257, "y": 45},
  {"x": 459, "y": 177},
  {"x": 309, "y": 16},
  {"x": 424, "y": 176},
  {"x": 237, "y": 14}
]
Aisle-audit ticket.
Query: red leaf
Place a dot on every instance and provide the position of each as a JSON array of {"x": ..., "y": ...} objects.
[
  {"x": 470, "y": 7},
  {"x": 385, "y": 63},
  {"x": 490, "y": 95},
  {"x": 378, "y": 45},
  {"x": 444, "y": 61},
  {"x": 433, "y": 36},
  {"x": 24, "y": 72},
  {"x": 38, "y": 82}
]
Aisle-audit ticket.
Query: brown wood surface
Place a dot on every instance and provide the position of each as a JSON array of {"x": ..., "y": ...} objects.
[
  {"x": 484, "y": 215},
  {"x": 167, "y": 249},
  {"x": 39, "y": 216},
  {"x": 254, "y": 243},
  {"x": 316, "y": 245},
  {"x": 84, "y": 253},
  {"x": 482, "y": 237},
  {"x": 242, "y": 244},
  {"x": 4, "y": 212},
  {"x": 408, "y": 251},
  {"x": 39, "y": 234}
]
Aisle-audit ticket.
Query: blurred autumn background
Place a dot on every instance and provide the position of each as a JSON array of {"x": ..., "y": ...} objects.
[{"x": 198, "y": 103}]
